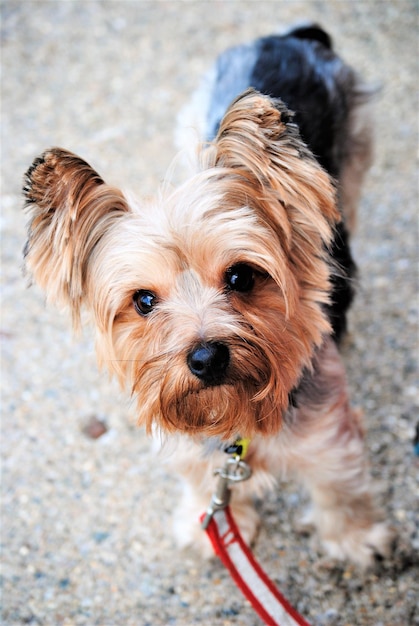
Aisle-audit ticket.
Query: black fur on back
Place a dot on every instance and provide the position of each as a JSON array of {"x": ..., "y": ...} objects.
[{"x": 313, "y": 82}]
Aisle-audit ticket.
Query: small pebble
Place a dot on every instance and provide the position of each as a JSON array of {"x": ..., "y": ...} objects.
[{"x": 94, "y": 427}]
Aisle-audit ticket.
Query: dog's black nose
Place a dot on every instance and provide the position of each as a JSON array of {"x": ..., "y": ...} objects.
[{"x": 209, "y": 362}]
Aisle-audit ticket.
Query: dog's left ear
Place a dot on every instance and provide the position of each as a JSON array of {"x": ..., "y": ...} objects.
[
  {"x": 258, "y": 141},
  {"x": 70, "y": 209}
]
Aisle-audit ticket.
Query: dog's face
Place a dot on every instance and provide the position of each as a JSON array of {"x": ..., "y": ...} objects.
[{"x": 208, "y": 302}]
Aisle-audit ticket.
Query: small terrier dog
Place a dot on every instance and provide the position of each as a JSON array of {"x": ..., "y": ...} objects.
[{"x": 221, "y": 303}]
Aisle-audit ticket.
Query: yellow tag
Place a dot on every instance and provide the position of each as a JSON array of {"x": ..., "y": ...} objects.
[{"x": 244, "y": 445}]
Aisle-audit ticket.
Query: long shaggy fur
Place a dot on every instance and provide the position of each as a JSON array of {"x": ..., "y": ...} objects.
[
  {"x": 161, "y": 280},
  {"x": 269, "y": 205}
]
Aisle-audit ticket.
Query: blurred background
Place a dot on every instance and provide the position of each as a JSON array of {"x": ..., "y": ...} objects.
[{"x": 86, "y": 504}]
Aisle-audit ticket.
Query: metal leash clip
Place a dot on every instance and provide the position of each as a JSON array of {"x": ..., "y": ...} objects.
[{"x": 235, "y": 470}]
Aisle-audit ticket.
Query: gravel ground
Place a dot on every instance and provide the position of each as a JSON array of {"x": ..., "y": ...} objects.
[{"x": 85, "y": 520}]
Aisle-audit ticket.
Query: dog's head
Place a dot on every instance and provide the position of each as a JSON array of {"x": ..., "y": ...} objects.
[{"x": 208, "y": 302}]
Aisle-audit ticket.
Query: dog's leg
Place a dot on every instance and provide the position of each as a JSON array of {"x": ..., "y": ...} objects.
[
  {"x": 326, "y": 450},
  {"x": 198, "y": 485}
]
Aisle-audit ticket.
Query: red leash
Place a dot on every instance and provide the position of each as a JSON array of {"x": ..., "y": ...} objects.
[
  {"x": 229, "y": 546},
  {"x": 265, "y": 598}
]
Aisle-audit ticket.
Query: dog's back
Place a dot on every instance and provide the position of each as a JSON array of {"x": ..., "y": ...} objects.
[
  {"x": 331, "y": 103},
  {"x": 302, "y": 69}
]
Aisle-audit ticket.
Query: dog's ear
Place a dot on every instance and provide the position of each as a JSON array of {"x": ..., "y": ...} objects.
[
  {"x": 70, "y": 209},
  {"x": 258, "y": 140},
  {"x": 259, "y": 150}
]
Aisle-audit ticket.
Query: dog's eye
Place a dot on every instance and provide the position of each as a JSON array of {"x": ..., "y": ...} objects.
[
  {"x": 144, "y": 301},
  {"x": 240, "y": 277}
]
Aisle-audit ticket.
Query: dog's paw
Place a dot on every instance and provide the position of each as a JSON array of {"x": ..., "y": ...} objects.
[{"x": 362, "y": 546}]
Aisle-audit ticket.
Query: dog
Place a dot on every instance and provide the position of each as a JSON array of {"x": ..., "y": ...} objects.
[{"x": 221, "y": 304}]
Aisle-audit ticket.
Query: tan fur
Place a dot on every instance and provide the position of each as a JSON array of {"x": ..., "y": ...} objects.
[
  {"x": 260, "y": 199},
  {"x": 71, "y": 209}
]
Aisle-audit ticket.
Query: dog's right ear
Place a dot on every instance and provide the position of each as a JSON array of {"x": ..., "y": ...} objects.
[{"x": 70, "y": 209}]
